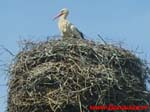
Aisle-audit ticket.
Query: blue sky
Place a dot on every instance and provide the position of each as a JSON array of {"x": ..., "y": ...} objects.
[{"x": 115, "y": 20}]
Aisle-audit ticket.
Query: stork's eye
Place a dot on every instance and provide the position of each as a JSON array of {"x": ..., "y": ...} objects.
[{"x": 62, "y": 11}]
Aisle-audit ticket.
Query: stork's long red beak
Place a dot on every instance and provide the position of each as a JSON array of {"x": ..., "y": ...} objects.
[{"x": 57, "y": 16}]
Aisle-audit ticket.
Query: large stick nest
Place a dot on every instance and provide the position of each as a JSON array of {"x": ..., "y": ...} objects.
[{"x": 70, "y": 75}]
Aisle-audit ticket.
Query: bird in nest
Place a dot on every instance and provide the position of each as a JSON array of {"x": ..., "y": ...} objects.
[{"x": 66, "y": 28}]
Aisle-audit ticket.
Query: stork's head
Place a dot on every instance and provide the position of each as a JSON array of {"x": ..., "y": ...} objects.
[{"x": 63, "y": 13}]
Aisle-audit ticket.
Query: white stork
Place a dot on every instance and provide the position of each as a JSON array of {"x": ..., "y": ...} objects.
[{"x": 66, "y": 28}]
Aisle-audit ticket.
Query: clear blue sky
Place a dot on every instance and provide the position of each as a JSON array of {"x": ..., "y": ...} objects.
[{"x": 118, "y": 20}]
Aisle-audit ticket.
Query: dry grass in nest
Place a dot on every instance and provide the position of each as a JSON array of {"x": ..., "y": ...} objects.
[{"x": 70, "y": 75}]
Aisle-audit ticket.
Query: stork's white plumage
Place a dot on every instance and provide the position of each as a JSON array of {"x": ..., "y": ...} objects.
[{"x": 67, "y": 29}]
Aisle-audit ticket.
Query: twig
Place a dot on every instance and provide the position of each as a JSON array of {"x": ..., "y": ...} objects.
[
  {"x": 80, "y": 105},
  {"x": 102, "y": 39},
  {"x": 7, "y": 50}
]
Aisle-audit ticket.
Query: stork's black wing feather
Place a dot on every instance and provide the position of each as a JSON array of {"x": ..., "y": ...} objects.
[
  {"x": 75, "y": 31},
  {"x": 80, "y": 33}
]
